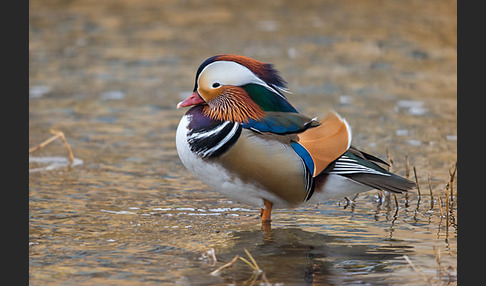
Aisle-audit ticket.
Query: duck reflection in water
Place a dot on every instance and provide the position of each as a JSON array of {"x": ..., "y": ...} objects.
[{"x": 301, "y": 257}]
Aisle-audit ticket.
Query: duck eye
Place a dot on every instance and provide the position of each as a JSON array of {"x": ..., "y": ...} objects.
[{"x": 216, "y": 84}]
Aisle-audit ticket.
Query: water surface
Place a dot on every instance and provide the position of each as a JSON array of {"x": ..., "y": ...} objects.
[{"x": 109, "y": 75}]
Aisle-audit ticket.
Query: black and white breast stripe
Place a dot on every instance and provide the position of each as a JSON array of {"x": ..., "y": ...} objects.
[
  {"x": 214, "y": 141},
  {"x": 346, "y": 165}
]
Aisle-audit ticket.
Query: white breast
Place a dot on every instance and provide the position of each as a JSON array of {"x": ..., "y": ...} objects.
[{"x": 214, "y": 175}]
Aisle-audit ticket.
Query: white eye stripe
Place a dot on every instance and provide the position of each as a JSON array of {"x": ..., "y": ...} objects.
[{"x": 228, "y": 73}]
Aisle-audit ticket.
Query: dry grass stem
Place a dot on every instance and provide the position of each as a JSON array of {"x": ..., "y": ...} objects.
[
  {"x": 253, "y": 264},
  {"x": 43, "y": 144},
  {"x": 252, "y": 259},
  {"x": 229, "y": 264},
  {"x": 431, "y": 194},
  {"x": 418, "y": 205},
  {"x": 450, "y": 199},
  {"x": 348, "y": 202},
  {"x": 407, "y": 202},
  {"x": 416, "y": 181},
  {"x": 407, "y": 176},
  {"x": 395, "y": 216},
  {"x": 389, "y": 160},
  {"x": 407, "y": 167},
  {"x": 257, "y": 271},
  {"x": 440, "y": 206},
  {"x": 447, "y": 199},
  {"x": 447, "y": 213},
  {"x": 452, "y": 174},
  {"x": 57, "y": 134},
  {"x": 380, "y": 196},
  {"x": 249, "y": 263}
]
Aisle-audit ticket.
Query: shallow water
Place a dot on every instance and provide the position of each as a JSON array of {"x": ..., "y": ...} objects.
[{"x": 109, "y": 74}]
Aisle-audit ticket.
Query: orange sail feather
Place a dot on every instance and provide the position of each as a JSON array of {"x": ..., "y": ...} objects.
[{"x": 326, "y": 142}]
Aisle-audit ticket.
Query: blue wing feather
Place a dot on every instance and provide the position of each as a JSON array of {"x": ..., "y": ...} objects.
[
  {"x": 302, "y": 152},
  {"x": 281, "y": 123}
]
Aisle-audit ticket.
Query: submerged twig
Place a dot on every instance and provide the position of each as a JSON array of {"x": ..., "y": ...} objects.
[
  {"x": 348, "y": 202},
  {"x": 396, "y": 202},
  {"x": 381, "y": 197},
  {"x": 351, "y": 202},
  {"x": 437, "y": 259},
  {"x": 57, "y": 134},
  {"x": 210, "y": 253},
  {"x": 395, "y": 216},
  {"x": 416, "y": 269},
  {"x": 257, "y": 271}
]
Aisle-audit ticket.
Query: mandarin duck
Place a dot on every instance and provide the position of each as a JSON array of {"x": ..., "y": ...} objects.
[{"x": 243, "y": 138}]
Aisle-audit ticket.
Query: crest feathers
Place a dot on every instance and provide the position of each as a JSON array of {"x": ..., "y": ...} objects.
[{"x": 264, "y": 71}]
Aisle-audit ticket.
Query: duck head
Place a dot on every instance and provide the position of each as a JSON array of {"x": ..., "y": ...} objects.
[{"x": 238, "y": 89}]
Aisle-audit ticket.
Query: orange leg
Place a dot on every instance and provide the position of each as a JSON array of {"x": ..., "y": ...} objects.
[{"x": 267, "y": 212}]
